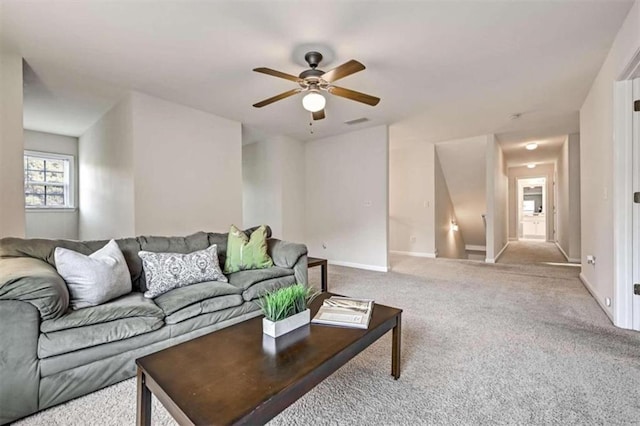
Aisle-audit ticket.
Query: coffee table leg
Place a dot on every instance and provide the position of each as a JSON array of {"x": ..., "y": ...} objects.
[
  {"x": 323, "y": 270},
  {"x": 143, "y": 417},
  {"x": 395, "y": 349}
]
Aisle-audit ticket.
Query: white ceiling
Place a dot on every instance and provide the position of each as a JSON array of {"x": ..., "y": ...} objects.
[{"x": 444, "y": 70}]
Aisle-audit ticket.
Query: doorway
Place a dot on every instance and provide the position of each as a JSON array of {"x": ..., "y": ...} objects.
[
  {"x": 532, "y": 209},
  {"x": 636, "y": 205}
]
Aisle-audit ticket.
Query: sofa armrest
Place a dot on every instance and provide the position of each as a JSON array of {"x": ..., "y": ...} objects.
[
  {"x": 34, "y": 281},
  {"x": 284, "y": 253},
  {"x": 289, "y": 255}
]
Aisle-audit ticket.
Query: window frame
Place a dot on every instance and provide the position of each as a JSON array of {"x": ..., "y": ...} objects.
[{"x": 68, "y": 186}]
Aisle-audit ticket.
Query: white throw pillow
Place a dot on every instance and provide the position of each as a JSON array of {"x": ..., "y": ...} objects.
[
  {"x": 166, "y": 271},
  {"x": 94, "y": 279}
]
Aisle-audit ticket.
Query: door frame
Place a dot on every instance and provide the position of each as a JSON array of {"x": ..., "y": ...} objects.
[
  {"x": 520, "y": 199},
  {"x": 622, "y": 194}
]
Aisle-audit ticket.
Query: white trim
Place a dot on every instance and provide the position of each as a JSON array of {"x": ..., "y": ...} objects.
[
  {"x": 472, "y": 247},
  {"x": 632, "y": 69},
  {"x": 358, "y": 266},
  {"x": 569, "y": 259},
  {"x": 51, "y": 209},
  {"x": 500, "y": 253},
  {"x": 415, "y": 254},
  {"x": 513, "y": 239},
  {"x": 566, "y": 256},
  {"x": 591, "y": 290},
  {"x": 623, "y": 204}
]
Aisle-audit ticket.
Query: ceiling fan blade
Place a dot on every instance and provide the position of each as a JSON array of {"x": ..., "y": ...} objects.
[
  {"x": 318, "y": 115},
  {"x": 276, "y": 98},
  {"x": 354, "y": 96},
  {"x": 342, "y": 71},
  {"x": 275, "y": 73}
]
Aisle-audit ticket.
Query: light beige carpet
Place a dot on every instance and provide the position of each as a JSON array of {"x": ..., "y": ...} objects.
[
  {"x": 482, "y": 344},
  {"x": 531, "y": 252}
]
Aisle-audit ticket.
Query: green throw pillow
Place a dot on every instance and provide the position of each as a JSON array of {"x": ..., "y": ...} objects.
[{"x": 247, "y": 253}]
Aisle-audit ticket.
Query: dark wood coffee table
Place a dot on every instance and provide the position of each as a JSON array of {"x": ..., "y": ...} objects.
[{"x": 231, "y": 376}]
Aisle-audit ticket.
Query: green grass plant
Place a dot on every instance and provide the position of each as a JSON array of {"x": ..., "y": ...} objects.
[{"x": 282, "y": 303}]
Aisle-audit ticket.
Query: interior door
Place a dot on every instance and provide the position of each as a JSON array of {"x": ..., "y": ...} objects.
[{"x": 636, "y": 204}]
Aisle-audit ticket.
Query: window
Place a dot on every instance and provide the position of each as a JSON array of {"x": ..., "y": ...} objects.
[{"x": 48, "y": 180}]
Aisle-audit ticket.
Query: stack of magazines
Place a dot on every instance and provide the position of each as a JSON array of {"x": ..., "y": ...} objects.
[{"x": 345, "y": 312}]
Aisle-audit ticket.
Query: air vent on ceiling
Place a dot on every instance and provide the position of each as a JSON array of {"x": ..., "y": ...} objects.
[{"x": 356, "y": 121}]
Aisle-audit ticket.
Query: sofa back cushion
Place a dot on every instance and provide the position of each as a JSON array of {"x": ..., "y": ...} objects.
[{"x": 44, "y": 249}]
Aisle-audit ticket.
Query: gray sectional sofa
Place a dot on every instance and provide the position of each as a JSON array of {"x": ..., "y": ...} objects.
[{"x": 50, "y": 353}]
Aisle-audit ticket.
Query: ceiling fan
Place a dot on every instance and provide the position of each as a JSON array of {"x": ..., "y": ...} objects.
[{"x": 314, "y": 81}]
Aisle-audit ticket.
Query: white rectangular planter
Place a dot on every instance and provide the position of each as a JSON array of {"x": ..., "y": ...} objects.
[{"x": 278, "y": 328}]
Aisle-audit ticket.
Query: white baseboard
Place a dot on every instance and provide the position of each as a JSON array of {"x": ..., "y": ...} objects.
[
  {"x": 561, "y": 250},
  {"x": 569, "y": 259},
  {"x": 592, "y": 290},
  {"x": 415, "y": 253},
  {"x": 471, "y": 247},
  {"x": 359, "y": 266},
  {"x": 502, "y": 251},
  {"x": 495, "y": 259},
  {"x": 513, "y": 239}
]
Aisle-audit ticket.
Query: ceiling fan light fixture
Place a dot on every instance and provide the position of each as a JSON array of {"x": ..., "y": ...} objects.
[
  {"x": 313, "y": 101},
  {"x": 531, "y": 146}
]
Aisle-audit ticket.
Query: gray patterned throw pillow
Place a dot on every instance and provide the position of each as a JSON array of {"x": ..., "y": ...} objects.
[{"x": 166, "y": 271}]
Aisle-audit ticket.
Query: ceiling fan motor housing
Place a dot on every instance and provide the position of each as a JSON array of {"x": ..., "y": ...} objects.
[{"x": 313, "y": 58}]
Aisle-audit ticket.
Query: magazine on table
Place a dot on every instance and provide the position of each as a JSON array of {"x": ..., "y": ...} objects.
[{"x": 345, "y": 312}]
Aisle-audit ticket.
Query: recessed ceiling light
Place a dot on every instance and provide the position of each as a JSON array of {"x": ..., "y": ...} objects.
[
  {"x": 531, "y": 166},
  {"x": 531, "y": 146}
]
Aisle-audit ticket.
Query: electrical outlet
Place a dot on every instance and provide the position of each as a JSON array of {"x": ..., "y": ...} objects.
[{"x": 324, "y": 246}]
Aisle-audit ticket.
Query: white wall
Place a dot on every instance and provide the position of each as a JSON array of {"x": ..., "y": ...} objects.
[
  {"x": 12, "y": 218},
  {"x": 187, "y": 169},
  {"x": 574, "y": 198},
  {"x": 347, "y": 198},
  {"x": 568, "y": 207},
  {"x": 106, "y": 186},
  {"x": 273, "y": 173},
  {"x": 53, "y": 223},
  {"x": 596, "y": 161},
  {"x": 411, "y": 198},
  {"x": 293, "y": 190},
  {"x": 562, "y": 207},
  {"x": 464, "y": 164},
  {"x": 542, "y": 170},
  {"x": 449, "y": 243},
  {"x": 150, "y": 166},
  {"x": 497, "y": 184},
  {"x": 261, "y": 186}
]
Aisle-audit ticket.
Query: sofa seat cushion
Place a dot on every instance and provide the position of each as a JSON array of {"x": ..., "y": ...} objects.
[
  {"x": 259, "y": 288},
  {"x": 120, "y": 319},
  {"x": 205, "y": 307},
  {"x": 179, "y": 298},
  {"x": 128, "y": 306},
  {"x": 245, "y": 279}
]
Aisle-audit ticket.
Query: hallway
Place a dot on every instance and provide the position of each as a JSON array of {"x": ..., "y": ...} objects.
[{"x": 531, "y": 252}]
